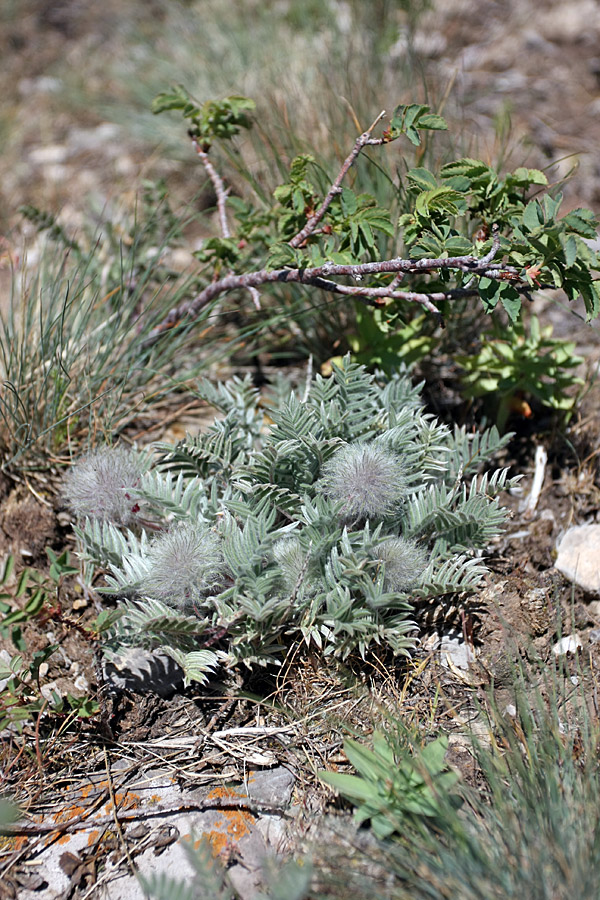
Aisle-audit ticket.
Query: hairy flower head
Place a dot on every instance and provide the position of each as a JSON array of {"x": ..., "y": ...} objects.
[
  {"x": 185, "y": 565},
  {"x": 367, "y": 479},
  {"x": 404, "y": 561},
  {"x": 101, "y": 484},
  {"x": 295, "y": 565}
]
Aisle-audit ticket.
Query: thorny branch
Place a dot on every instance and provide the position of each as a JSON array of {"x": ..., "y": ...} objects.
[
  {"x": 221, "y": 191},
  {"x": 363, "y": 140},
  {"x": 217, "y": 183},
  {"x": 320, "y": 276}
]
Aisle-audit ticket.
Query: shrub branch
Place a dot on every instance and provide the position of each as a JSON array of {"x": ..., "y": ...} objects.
[
  {"x": 319, "y": 276},
  {"x": 220, "y": 190},
  {"x": 364, "y": 140}
]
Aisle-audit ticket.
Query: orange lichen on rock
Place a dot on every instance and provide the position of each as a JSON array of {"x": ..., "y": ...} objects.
[
  {"x": 230, "y": 826},
  {"x": 124, "y": 801},
  {"x": 12, "y": 842},
  {"x": 63, "y": 839},
  {"x": 70, "y": 812},
  {"x": 233, "y": 824}
]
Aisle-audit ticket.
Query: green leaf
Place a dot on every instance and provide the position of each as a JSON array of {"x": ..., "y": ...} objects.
[
  {"x": 525, "y": 177},
  {"x": 458, "y": 246},
  {"x": 467, "y": 167},
  {"x": 176, "y": 97},
  {"x": 432, "y": 755},
  {"x": 441, "y": 198},
  {"x": 569, "y": 246},
  {"x": 22, "y": 583},
  {"x": 532, "y": 216},
  {"x": 432, "y": 122},
  {"x": 409, "y": 119},
  {"x": 9, "y": 567},
  {"x": 489, "y": 291},
  {"x": 348, "y": 201},
  {"x": 422, "y": 178},
  {"x": 582, "y": 222},
  {"x": 350, "y": 786},
  {"x": 511, "y": 301},
  {"x": 280, "y": 256}
]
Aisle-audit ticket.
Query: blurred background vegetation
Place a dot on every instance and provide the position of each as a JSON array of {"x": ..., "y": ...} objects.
[{"x": 81, "y": 150}]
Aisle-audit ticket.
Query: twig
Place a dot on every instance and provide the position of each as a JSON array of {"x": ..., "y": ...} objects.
[
  {"x": 255, "y": 298},
  {"x": 308, "y": 277},
  {"x": 114, "y": 811},
  {"x": 252, "y": 731},
  {"x": 220, "y": 189},
  {"x": 363, "y": 140},
  {"x": 84, "y": 820}
]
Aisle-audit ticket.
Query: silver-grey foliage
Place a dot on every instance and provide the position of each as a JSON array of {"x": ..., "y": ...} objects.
[
  {"x": 323, "y": 526},
  {"x": 184, "y": 565},
  {"x": 366, "y": 479},
  {"x": 102, "y": 484}
]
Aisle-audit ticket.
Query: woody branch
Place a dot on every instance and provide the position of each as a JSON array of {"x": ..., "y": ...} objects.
[
  {"x": 221, "y": 192},
  {"x": 320, "y": 276},
  {"x": 363, "y": 140}
]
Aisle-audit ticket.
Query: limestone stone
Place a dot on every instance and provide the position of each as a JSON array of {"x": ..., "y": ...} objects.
[{"x": 579, "y": 557}]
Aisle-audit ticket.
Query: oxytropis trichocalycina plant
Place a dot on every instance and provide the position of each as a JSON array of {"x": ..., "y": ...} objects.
[{"x": 320, "y": 520}]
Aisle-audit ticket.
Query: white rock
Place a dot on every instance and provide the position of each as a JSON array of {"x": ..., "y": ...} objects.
[
  {"x": 51, "y": 154},
  {"x": 579, "y": 557},
  {"x": 454, "y": 651},
  {"x": 571, "y": 643},
  {"x": 90, "y": 139}
]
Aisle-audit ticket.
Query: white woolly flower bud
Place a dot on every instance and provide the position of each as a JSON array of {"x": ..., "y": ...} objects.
[
  {"x": 101, "y": 484},
  {"x": 185, "y": 565},
  {"x": 295, "y": 566},
  {"x": 367, "y": 479},
  {"x": 404, "y": 561}
]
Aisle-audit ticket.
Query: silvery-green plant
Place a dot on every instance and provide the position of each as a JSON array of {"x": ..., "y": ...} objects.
[
  {"x": 326, "y": 526},
  {"x": 185, "y": 565},
  {"x": 103, "y": 482},
  {"x": 366, "y": 479}
]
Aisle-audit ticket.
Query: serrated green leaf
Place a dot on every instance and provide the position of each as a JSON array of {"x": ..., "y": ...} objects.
[
  {"x": 532, "y": 218},
  {"x": 422, "y": 178},
  {"x": 582, "y": 222},
  {"x": 467, "y": 167},
  {"x": 348, "y": 201},
  {"x": 442, "y": 198},
  {"x": 529, "y": 176},
  {"x": 569, "y": 246},
  {"x": 432, "y": 122},
  {"x": 176, "y": 97}
]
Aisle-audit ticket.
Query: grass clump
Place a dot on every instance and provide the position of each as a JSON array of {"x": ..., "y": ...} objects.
[{"x": 530, "y": 829}]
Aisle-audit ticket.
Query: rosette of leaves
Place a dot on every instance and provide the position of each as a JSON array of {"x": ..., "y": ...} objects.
[{"x": 325, "y": 527}]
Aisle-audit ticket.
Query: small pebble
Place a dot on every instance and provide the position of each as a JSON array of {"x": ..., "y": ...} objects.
[{"x": 567, "y": 645}]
